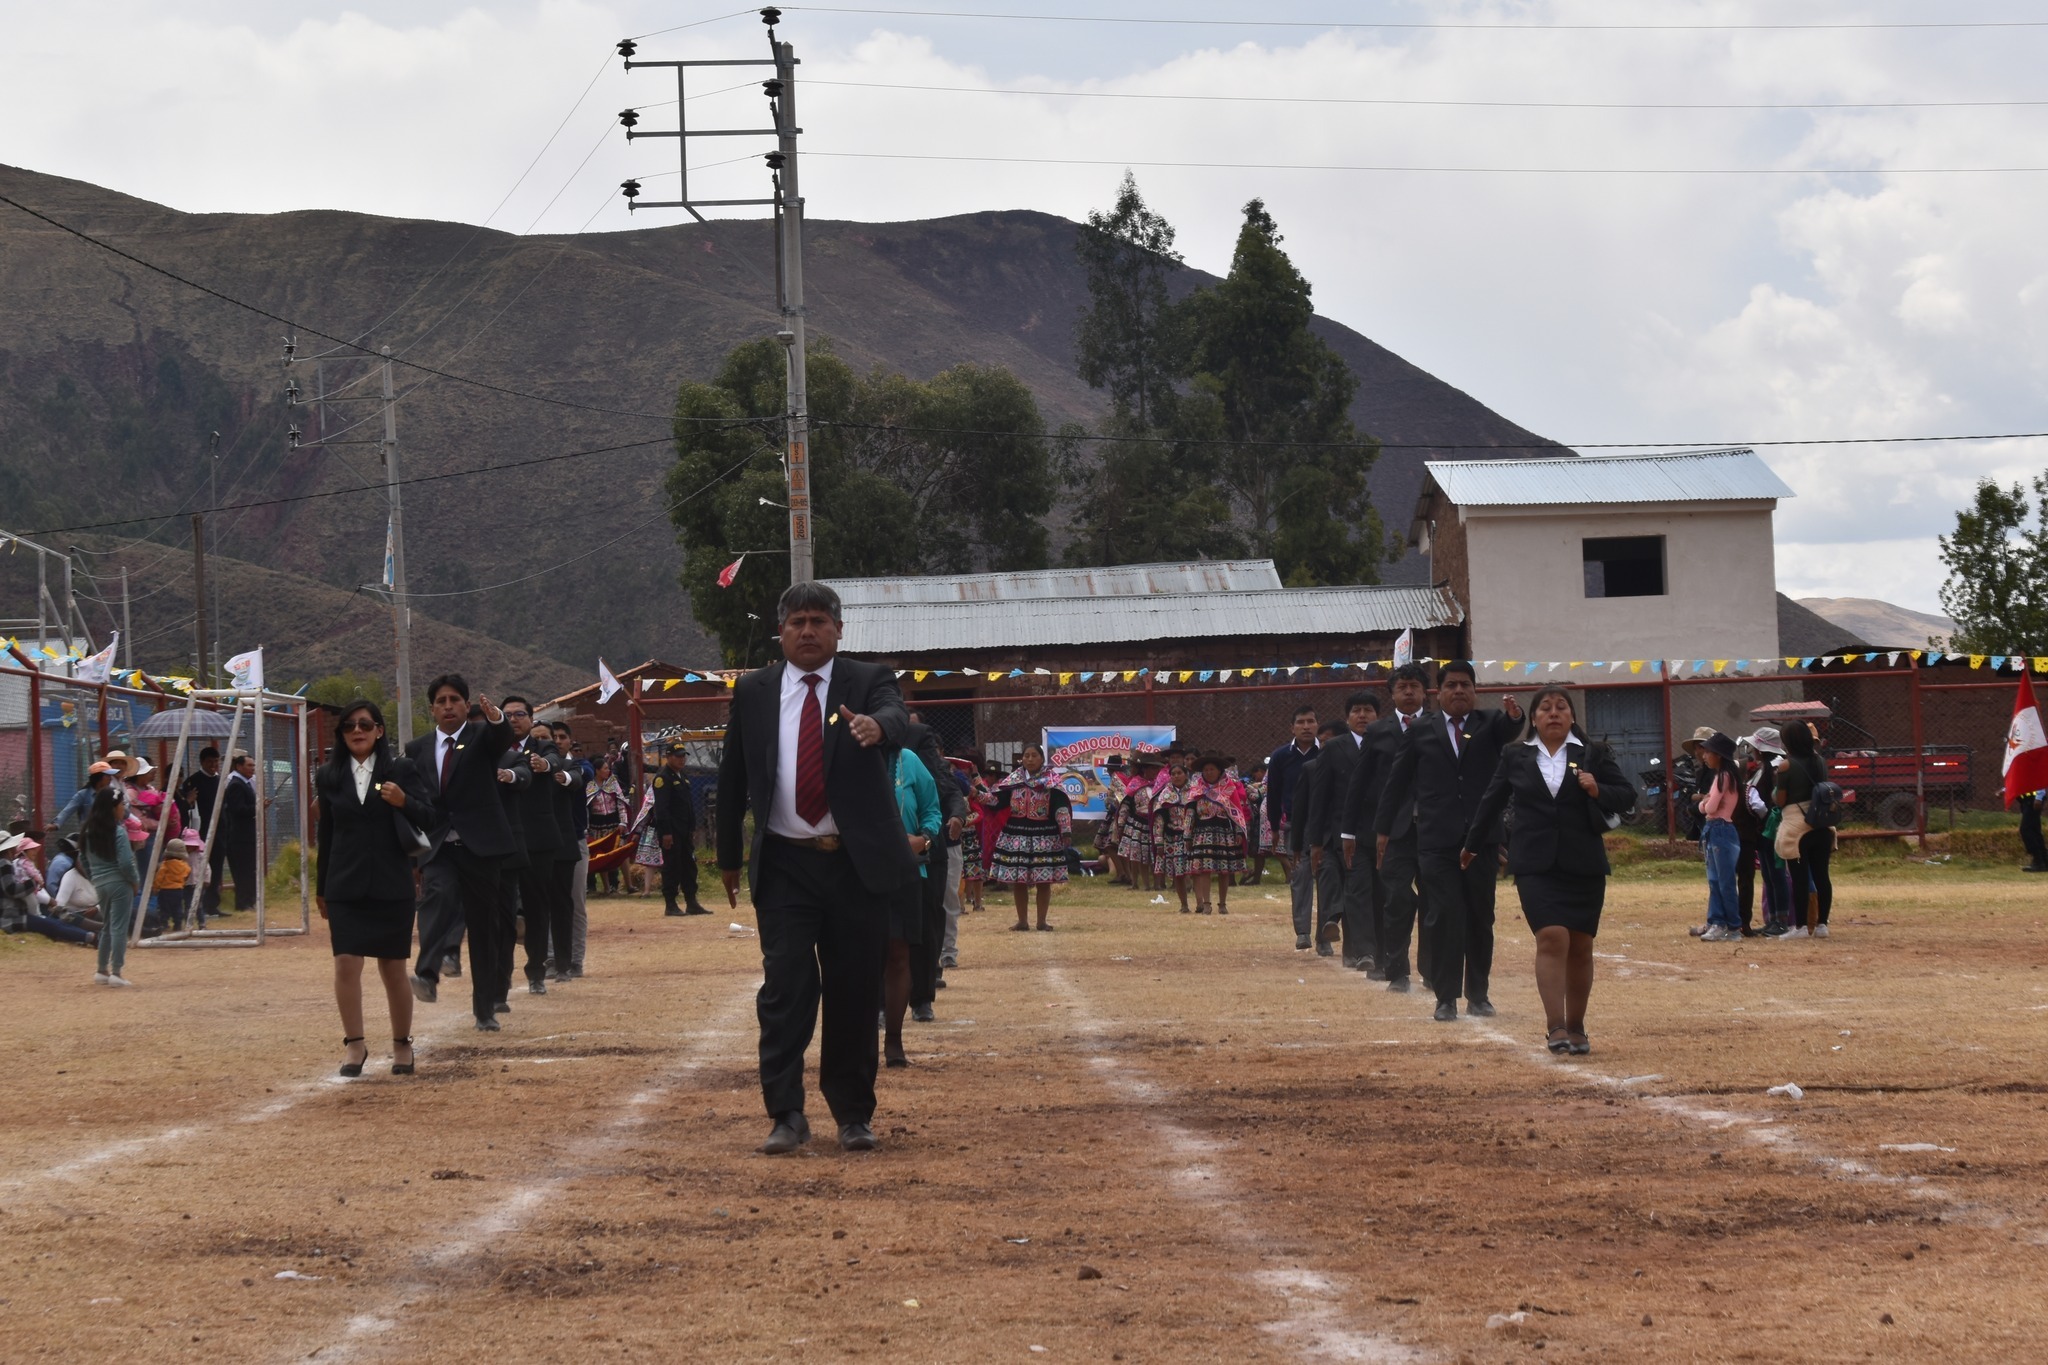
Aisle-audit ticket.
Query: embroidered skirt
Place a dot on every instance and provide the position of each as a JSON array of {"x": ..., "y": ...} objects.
[
  {"x": 1029, "y": 853},
  {"x": 1215, "y": 846}
]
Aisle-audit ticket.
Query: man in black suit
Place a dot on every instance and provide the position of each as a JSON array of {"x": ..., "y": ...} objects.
[
  {"x": 1396, "y": 874},
  {"x": 236, "y": 840},
  {"x": 924, "y": 956},
  {"x": 1346, "y": 899},
  {"x": 809, "y": 750},
  {"x": 459, "y": 762},
  {"x": 1445, "y": 764}
]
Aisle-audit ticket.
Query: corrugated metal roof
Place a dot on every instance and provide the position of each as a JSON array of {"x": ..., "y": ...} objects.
[
  {"x": 1123, "y": 580},
  {"x": 900, "y": 628},
  {"x": 1687, "y": 476}
]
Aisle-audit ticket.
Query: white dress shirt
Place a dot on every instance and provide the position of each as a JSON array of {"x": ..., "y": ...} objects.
[
  {"x": 1407, "y": 718},
  {"x": 363, "y": 769},
  {"x": 1453, "y": 730},
  {"x": 1551, "y": 765},
  {"x": 782, "y": 816}
]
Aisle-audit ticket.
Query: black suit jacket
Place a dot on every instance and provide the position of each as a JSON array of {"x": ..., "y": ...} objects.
[
  {"x": 1551, "y": 833},
  {"x": 1445, "y": 783},
  {"x": 361, "y": 855},
  {"x": 471, "y": 805},
  {"x": 860, "y": 783},
  {"x": 1369, "y": 779},
  {"x": 539, "y": 826},
  {"x": 237, "y": 814},
  {"x": 1319, "y": 800}
]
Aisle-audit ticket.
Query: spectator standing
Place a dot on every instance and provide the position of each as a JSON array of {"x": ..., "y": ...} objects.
[
  {"x": 1805, "y": 847},
  {"x": 109, "y": 860},
  {"x": 917, "y": 805},
  {"x": 675, "y": 825},
  {"x": 1721, "y": 796},
  {"x": 607, "y": 801},
  {"x": 234, "y": 846}
]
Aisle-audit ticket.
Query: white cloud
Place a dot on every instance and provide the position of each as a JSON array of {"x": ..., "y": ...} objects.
[{"x": 1588, "y": 307}]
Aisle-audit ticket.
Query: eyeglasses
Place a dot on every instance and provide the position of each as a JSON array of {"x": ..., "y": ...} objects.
[
  {"x": 510, "y": 714},
  {"x": 363, "y": 726}
]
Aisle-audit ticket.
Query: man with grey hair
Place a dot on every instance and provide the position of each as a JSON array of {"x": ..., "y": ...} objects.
[{"x": 810, "y": 750}]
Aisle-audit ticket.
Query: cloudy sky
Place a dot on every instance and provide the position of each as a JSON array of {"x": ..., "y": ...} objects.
[{"x": 1605, "y": 231}]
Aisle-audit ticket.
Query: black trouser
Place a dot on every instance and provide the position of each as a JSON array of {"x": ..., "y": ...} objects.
[
  {"x": 1359, "y": 911},
  {"x": 1329, "y": 883},
  {"x": 824, "y": 940},
  {"x": 2030, "y": 831},
  {"x": 460, "y": 892},
  {"x": 505, "y": 936},
  {"x": 1810, "y": 875},
  {"x": 1748, "y": 859},
  {"x": 550, "y": 913},
  {"x": 1398, "y": 872},
  {"x": 679, "y": 870},
  {"x": 1459, "y": 915},
  {"x": 924, "y": 955},
  {"x": 240, "y": 857}
]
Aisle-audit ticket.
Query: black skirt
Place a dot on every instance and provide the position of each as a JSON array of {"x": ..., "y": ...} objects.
[
  {"x": 370, "y": 928},
  {"x": 1568, "y": 900},
  {"x": 906, "y": 912}
]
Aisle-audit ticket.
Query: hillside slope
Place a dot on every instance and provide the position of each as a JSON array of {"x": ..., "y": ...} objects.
[{"x": 111, "y": 378}]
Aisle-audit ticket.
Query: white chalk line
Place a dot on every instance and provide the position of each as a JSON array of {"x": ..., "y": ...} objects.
[
  {"x": 360, "y": 1332},
  {"x": 1315, "y": 1323}
]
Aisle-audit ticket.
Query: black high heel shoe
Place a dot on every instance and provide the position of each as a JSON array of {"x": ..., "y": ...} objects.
[
  {"x": 399, "y": 1068},
  {"x": 354, "y": 1068}
]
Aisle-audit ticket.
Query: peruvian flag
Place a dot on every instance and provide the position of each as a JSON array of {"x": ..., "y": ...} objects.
[
  {"x": 731, "y": 571},
  {"x": 2026, "y": 746}
]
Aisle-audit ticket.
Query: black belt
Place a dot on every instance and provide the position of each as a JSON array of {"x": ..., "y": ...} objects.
[{"x": 823, "y": 843}]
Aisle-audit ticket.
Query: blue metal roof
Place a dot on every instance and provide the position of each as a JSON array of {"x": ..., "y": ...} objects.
[{"x": 1738, "y": 475}]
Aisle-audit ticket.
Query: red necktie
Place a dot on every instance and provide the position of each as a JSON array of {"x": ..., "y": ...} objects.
[
  {"x": 447, "y": 760},
  {"x": 811, "y": 806}
]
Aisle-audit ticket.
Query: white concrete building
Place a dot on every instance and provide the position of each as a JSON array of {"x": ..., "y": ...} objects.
[{"x": 1635, "y": 557}]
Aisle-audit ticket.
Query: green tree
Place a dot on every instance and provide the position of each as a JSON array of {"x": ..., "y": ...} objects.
[
  {"x": 1279, "y": 400},
  {"x": 951, "y": 474},
  {"x": 1995, "y": 590},
  {"x": 1151, "y": 492}
]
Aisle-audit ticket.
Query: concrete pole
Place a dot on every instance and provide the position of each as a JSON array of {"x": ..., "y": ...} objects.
[
  {"x": 792, "y": 251},
  {"x": 401, "y": 606}
]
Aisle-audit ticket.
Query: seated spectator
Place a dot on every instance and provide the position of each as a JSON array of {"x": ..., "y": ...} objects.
[{"x": 20, "y": 893}]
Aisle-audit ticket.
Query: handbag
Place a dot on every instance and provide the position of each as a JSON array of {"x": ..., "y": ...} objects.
[{"x": 1792, "y": 827}]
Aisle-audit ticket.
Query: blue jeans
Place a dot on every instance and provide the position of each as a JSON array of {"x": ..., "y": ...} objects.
[{"x": 1723, "y": 847}]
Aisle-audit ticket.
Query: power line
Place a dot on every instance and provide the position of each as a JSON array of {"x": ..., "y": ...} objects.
[
  {"x": 1429, "y": 103},
  {"x": 1440, "y": 170},
  {"x": 1538, "y": 444},
  {"x": 1420, "y": 26},
  {"x": 315, "y": 332},
  {"x": 697, "y": 23}
]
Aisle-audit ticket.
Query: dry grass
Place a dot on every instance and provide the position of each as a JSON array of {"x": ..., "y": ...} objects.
[{"x": 1264, "y": 1156}]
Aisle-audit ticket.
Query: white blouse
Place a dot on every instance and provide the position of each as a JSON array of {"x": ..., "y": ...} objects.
[
  {"x": 363, "y": 771},
  {"x": 1551, "y": 765}
]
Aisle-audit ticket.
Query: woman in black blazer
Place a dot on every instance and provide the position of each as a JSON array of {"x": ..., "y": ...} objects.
[
  {"x": 371, "y": 807},
  {"x": 1563, "y": 792}
]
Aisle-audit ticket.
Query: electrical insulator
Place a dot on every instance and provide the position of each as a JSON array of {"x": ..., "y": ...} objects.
[
  {"x": 629, "y": 117},
  {"x": 772, "y": 89},
  {"x": 627, "y": 47},
  {"x": 771, "y": 16},
  {"x": 293, "y": 437},
  {"x": 631, "y": 188},
  {"x": 291, "y": 394},
  {"x": 774, "y": 160}
]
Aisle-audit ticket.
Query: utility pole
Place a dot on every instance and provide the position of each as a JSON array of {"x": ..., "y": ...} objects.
[
  {"x": 788, "y": 206},
  {"x": 392, "y": 582},
  {"x": 401, "y": 605},
  {"x": 199, "y": 594},
  {"x": 213, "y": 503},
  {"x": 127, "y": 632}
]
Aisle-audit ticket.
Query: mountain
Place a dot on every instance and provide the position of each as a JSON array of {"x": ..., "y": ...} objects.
[
  {"x": 112, "y": 378},
  {"x": 1881, "y": 623}
]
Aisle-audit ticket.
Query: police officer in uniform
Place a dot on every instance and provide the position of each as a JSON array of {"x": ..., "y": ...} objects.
[{"x": 675, "y": 823}]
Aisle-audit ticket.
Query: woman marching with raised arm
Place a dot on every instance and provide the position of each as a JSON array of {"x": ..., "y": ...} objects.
[
  {"x": 374, "y": 811},
  {"x": 1565, "y": 792}
]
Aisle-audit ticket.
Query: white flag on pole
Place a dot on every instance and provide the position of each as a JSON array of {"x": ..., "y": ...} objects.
[
  {"x": 100, "y": 667},
  {"x": 1404, "y": 648},
  {"x": 245, "y": 671},
  {"x": 390, "y": 554},
  {"x": 607, "y": 685}
]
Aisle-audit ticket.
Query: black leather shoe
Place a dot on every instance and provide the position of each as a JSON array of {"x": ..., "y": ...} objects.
[
  {"x": 1301, "y": 940},
  {"x": 790, "y": 1132},
  {"x": 1373, "y": 973},
  {"x": 423, "y": 990},
  {"x": 1399, "y": 984},
  {"x": 1325, "y": 950},
  {"x": 673, "y": 911},
  {"x": 1479, "y": 1009},
  {"x": 893, "y": 1055},
  {"x": 487, "y": 1026},
  {"x": 857, "y": 1137},
  {"x": 922, "y": 1013},
  {"x": 502, "y": 1007},
  {"x": 695, "y": 909},
  {"x": 1446, "y": 1011}
]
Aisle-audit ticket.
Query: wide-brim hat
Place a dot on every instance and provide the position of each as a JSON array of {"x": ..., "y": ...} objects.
[
  {"x": 191, "y": 839},
  {"x": 1718, "y": 743},
  {"x": 142, "y": 766},
  {"x": 1224, "y": 762},
  {"x": 1699, "y": 737},
  {"x": 1766, "y": 740},
  {"x": 122, "y": 763},
  {"x": 10, "y": 842}
]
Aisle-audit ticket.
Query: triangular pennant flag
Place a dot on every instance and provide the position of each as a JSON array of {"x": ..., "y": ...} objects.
[
  {"x": 1997, "y": 662},
  {"x": 1246, "y": 672},
  {"x": 1720, "y": 665},
  {"x": 1977, "y": 660},
  {"x": 1576, "y": 663},
  {"x": 1089, "y": 676},
  {"x": 1870, "y": 658},
  {"x": 1511, "y": 663},
  {"x": 1529, "y": 667},
  {"x": 668, "y": 684},
  {"x": 1066, "y": 678},
  {"x": 995, "y": 677},
  {"x": 1041, "y": 672},
  {"x": 1129, "y": 675},
  {"x": 1185, "y": 675},
  {"x": 1935, "y": 656},
  {"x": 1636, "y": 665},
  {"x": 731, "y": 571},
  {"x": 919, "y": 675},
  {"x": 1291, "y": 671},
  {"x": 1556, "y": 664},
  {"x": 1016, "y": 672}
]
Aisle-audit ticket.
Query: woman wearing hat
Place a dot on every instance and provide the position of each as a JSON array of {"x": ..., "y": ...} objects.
[
  {"x": 1721, "y": 794},
  {"x": 1760, "y": 861},
  {"x": 1216, "y": 834},
  {"x": 1134, "y": 837},
  {"x": 1565, "y": 795},
  {"x": 373, "y": 810},
  {"x": 1037, "y": 828}
]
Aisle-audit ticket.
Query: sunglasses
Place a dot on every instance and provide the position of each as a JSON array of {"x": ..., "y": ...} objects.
[{"x": 363, "y": 726}]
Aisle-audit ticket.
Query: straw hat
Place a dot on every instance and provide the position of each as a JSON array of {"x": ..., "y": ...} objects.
[
  {"x": 122, "y": 763},
  {"x": 9, "y": 843},
  {"x": 1699, "y": 737}
]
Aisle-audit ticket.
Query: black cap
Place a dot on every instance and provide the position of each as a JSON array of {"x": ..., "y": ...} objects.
[{"x": 679, "y": 748}]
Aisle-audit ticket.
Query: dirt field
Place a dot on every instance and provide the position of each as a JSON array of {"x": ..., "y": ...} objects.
[{"x": 1143, "y": 1137}]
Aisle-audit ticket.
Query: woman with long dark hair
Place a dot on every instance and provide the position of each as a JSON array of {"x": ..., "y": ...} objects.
[
  {"x": 108, "y": 861},
  {"x": 1720, "y": 797},
  {"x": 373, "y": 804},
  {"x": 1806, "y": 849},
  {"x": 1564, "y": 792}
]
